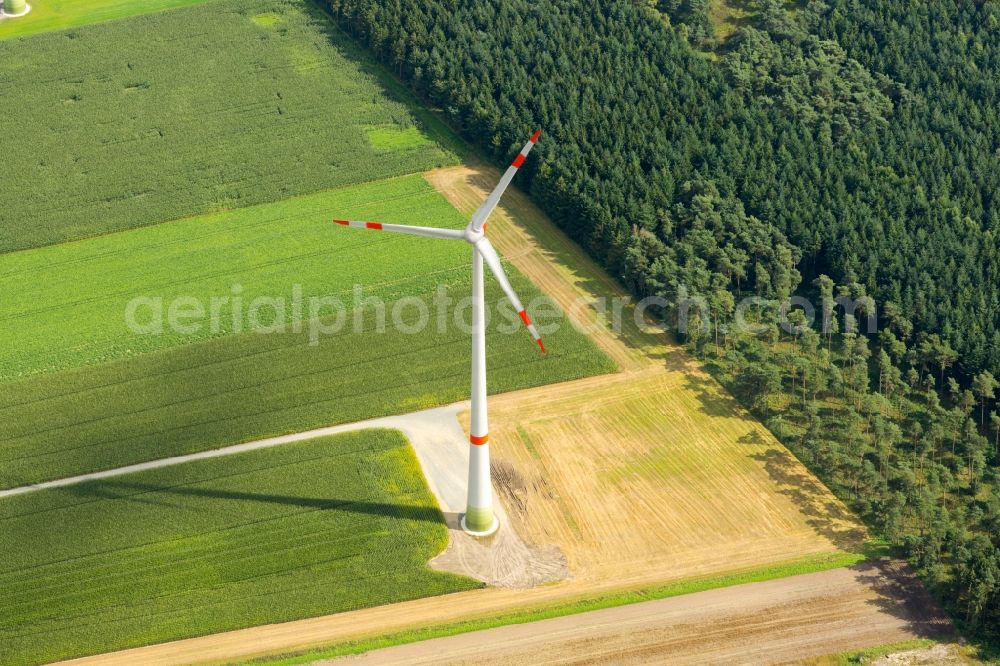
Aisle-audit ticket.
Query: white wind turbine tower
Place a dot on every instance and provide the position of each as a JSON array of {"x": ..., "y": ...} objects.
[{"x": 478, "y": 519}]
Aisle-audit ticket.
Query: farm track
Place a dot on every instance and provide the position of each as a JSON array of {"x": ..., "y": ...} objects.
[
  {"x": 577, "y": 466},
  {"x": 394, "y": 422},
  {"x": 776, "y": 621}
]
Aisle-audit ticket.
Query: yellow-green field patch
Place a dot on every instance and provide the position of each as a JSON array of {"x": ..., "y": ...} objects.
[
  {"x": 77, "y": 314},
  {"x": 392, "y": 138},
  {"x": 267, "y": 19}
]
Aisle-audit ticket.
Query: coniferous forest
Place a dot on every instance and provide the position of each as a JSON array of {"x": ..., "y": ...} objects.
[{"x": 843, "y": 149}]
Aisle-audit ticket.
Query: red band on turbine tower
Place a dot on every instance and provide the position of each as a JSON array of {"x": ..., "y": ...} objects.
[
  {"x": 479, "y": 441},
  {"x": 373, "y": 225}
]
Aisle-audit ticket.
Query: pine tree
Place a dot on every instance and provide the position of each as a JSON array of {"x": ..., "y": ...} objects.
[{"x": 984, "y": 385}]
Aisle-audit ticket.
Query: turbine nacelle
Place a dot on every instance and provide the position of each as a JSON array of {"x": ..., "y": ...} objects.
[{"x": 472, "y": 236}]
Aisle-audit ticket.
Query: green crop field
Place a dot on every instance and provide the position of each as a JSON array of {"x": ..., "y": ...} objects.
[
  {"x": 47, "y": 15},
  {"x": 76, "y": 315},
  {"x": 202, "y": 390},
  {"x": 243, "y": 387},
  {"x": 79, "y": 390},
  {"x": 300, "y": 530},
  {"x": 193, "y": 110}
]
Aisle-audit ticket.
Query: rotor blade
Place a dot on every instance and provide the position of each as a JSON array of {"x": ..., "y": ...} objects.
[
  {"x": 430, "y": 232},
  {"x": 492, "y": 260},
  {"x": 479, "y": 217}
]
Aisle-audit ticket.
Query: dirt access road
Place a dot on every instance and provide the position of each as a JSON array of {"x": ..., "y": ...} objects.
[{"x": 777, "y": 621}]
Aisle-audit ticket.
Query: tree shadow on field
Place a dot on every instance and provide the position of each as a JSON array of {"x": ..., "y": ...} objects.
[
  {"x": 900, "y": 593},
  {"x": 827, "y": 516},
  {"x": 135, "y": 492},
  {"x": 711, "y": 397},
  {"x": 752, "y": 438}
]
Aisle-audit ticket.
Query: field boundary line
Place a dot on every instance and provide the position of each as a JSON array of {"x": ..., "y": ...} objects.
[{"x": 396, "y": 422}]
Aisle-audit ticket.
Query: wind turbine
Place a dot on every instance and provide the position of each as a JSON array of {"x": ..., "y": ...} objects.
[{"x": 478, "y": 519}]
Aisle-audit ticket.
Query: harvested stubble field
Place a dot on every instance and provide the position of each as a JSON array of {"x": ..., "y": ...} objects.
[
  {"x": 205, "y": 108},
  {"x": 317, "y": 527},
  {"x": 658, "y": 475}
]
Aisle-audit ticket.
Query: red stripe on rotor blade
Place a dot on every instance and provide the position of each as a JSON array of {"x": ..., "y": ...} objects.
[
  {"x": 525, "y": 318},
  {"x": 479, "y": 441},
  {"x": 343, "y": 222},
  {"x": 373, "y": 225},
  {"x": 518, "y": 161},
  {"x": 541, "y": 345},
  {"x": 534, "y": 137}
]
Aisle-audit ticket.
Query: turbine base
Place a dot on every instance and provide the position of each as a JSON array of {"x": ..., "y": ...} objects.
[
  {"x": 6, "y": 14},
  {"x": 494, "y": 526}
]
